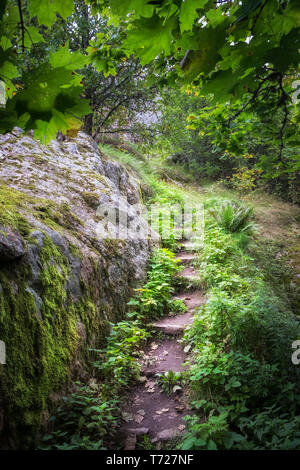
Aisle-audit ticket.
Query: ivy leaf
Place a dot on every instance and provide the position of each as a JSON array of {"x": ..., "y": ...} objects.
[
  {"x": 188, "y": 13},
  {"x": 46, "y": 10}
]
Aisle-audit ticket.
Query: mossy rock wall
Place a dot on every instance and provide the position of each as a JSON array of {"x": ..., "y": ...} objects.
[{"x": 60, "y": 283}]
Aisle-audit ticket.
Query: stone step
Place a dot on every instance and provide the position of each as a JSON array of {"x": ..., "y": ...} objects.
[
  {"x": 189, "y": 273},
  {"x": 138, "y": 431},
  {"x": 166, "y": 435},
  {"x": 186, "y": 258},
  {"x": 192, "y": 299},
  {"x": 187, "y": 246},
  {"x": 174, "y": 325}
]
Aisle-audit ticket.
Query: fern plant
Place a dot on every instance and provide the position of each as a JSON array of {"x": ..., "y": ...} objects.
[{"x": 234, "y": 217}]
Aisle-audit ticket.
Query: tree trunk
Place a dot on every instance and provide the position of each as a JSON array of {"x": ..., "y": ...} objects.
[
  {"x": 88, "y": 124},
  {"x": 85, "y": 39}
]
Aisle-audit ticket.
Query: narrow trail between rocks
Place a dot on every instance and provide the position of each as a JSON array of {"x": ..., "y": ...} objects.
[{"x": 149, "y": 410}]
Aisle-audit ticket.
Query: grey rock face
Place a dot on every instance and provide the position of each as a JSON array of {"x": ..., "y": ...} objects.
[
  {"x": 11, "y": 244},
  {"x": 56, "y": 190}
]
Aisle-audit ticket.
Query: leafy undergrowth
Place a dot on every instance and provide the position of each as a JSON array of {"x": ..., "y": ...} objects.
[
  {"x": 244, "y": 389},
  {"x": 241, "y": 375},
  {"x": 88, "y": 417}
]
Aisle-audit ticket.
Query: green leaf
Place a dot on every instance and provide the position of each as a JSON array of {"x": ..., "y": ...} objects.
[
  {"x": 204, "y": 59},
  {"x": 45, "y": 131},
  {"x": 150, "y": 37},
  {"x": 229, "y": 438},
  {"x": 287, "y": 53},
  {"x": 247, "y": 8},
  {"x": 32, "y": 36},
  {"x": 69, "y": 60},
  {"x": 8, "y": 70},
  {"x": 188, "y": 13},
  {"x": 46, "y": 10},
  {"x": 188, "y": 444},
  {"x": 216, "y": 17},
  {"x": 141, "y": 7},
  {"x": 5, "y": 43},
  {"x": 211, "y": 445},
  {"x": 2, "y": 8}
]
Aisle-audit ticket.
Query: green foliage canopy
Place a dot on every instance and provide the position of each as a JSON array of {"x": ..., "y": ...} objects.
[
  {"x": 238, "y": 51},
  {"x": 228, "y": 42},
  {"x": 47, "y": 97}
]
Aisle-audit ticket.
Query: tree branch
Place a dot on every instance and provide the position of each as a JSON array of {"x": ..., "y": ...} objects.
[{"x": 22, "y": 25}]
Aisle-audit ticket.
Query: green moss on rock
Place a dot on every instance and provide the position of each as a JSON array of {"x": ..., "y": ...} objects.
[{"x": 40, "y": 345}]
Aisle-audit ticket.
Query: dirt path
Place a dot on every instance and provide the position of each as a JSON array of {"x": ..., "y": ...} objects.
[{"x": 150, "y": 410}]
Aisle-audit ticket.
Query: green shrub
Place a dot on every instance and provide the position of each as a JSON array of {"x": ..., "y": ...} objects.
[
  {"x": 117, "y": 364},
  {"x": 153, "y": 299},
  {"x": 82, "y": 421},
  {"x": 212, "y": 434}
]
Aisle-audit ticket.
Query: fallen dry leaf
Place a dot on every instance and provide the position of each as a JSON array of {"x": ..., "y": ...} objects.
[
  {"x": 142, "y": 379},
  {"x": 138, "y": 418},
  {"x": 163, "y": 410},
  {"x": 127, "y": 416},
  {"x": 179, "y": 408}
]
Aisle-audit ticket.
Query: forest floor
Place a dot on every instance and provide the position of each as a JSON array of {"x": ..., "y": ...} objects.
[{"x": 153, "y": 416}]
